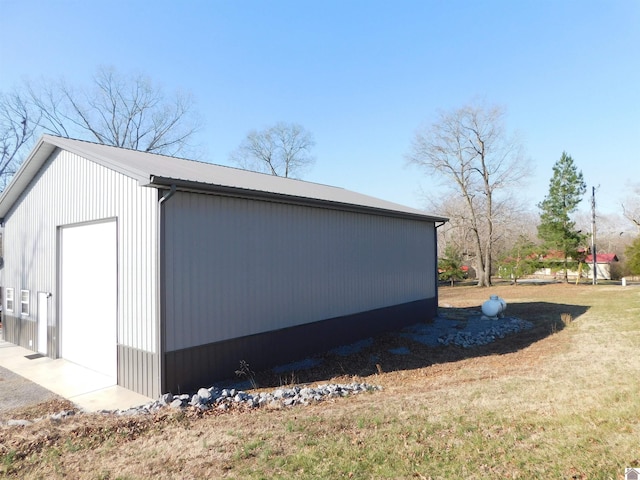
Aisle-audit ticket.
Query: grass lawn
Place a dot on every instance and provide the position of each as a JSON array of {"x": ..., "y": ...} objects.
[{"x": 561, "y": 400}]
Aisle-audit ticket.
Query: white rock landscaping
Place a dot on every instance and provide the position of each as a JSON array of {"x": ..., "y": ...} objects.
[
  {"x": 224, "y": 399},
  {"x": 484, "y": 336},
  {"x": 474, "y": 331}
]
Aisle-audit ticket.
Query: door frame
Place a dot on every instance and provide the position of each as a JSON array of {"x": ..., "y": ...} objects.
[{"x": 43, "y": 324}]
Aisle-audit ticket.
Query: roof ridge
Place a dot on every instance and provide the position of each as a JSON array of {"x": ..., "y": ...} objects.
[{"x": 185, "y": 159}]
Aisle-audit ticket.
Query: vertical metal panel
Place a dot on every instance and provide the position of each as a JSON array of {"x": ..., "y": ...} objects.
[
  {"x": 144, "y": 379},
  {"x": 20, "y": 331},
  {"x": 69, "y": 190},
  {"x": 238, "y": 267}
]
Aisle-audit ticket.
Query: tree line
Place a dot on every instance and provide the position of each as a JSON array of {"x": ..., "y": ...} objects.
[
  {"x": 482, "y": 168},
  {"x": 480, "y": 164},
  {"x": 525, "y": 245}
]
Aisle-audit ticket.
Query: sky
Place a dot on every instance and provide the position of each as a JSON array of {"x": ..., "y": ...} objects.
[{"x": 365, "y": 76}]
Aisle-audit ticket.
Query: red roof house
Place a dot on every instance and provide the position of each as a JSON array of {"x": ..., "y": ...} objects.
[
  {"x": 603, "y": 265},
  {"x": 602, "y": 258}
]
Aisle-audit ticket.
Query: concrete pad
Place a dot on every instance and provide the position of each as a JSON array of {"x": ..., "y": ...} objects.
[{"x": 90, "y": 390}]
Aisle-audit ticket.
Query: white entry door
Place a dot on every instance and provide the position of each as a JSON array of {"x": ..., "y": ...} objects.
[
  {"x": 89, "y": 296},
  {"x": 43, "y": 321}
]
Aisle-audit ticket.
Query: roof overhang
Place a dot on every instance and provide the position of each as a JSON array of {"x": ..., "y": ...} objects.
[{"x": 199, "y": 187}]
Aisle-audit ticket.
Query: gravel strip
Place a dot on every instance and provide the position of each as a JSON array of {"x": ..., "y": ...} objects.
[{"x": 17, "y": 391}]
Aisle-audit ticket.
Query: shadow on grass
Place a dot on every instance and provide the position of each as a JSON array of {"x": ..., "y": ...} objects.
[{"x": 392, "y": 351}]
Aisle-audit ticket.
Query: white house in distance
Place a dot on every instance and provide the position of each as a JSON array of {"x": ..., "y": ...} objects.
[
  {"x": 165, "y": 273},
  {"x": 603, "y": 265}
]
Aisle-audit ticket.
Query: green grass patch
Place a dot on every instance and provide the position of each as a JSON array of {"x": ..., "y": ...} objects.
[
  {"x": 562, "y": 404},
  {"x": 575, "y": 416}
]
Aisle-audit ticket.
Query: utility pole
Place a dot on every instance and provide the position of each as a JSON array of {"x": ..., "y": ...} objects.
[{"x": 593, "y": 236}]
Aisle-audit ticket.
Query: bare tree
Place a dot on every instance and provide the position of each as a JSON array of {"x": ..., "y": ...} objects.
[
  {"x": 631, "y": 207},
  {"x": 283, "y": 149},
  {"x": 513, "y": 219},
  {"x": 18, "y": 123},
  {"x": 475, "y": 158},
  {"x": 456, "y": 234},
  {"x": 129, "y": 112}
]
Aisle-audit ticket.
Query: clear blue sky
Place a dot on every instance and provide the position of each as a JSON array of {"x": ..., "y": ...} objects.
[{"x": 363, "y": 76}]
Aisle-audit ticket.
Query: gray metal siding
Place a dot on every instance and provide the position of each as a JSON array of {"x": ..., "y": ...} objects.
[
  {"x": 237, "y": 267},
  {"x": 20, "y": 331},
  {"x": 69, "y": 190},
  {"x": 140, "y": 369}
]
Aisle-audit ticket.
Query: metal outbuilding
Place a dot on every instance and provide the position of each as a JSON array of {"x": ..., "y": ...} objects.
[{"x": 165, "y": 273}]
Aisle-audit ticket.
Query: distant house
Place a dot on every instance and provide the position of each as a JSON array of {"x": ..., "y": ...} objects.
[
  {"x": 165, "y": 273},
  {"x": 552, "y": 265},
  {"x": 603, "y": 265}
]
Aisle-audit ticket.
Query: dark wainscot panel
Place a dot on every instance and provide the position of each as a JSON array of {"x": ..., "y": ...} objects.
[{"x": 191, "y": 368}]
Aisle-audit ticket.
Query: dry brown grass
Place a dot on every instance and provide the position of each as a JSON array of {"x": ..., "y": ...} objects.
[{"x": 557, "y": 401}]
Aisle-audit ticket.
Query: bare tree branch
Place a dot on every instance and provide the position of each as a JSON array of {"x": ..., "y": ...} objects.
[
  {"x": 124, "y": 111},
  {"x": 129, "y": 112},
  {"x": 631, "y": 207},
  {"x": 283, "y": 149},
  {"x": 18, "y": 122}
]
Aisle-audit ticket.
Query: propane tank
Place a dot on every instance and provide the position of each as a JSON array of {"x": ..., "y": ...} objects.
[{"x": 494, "y": 307}]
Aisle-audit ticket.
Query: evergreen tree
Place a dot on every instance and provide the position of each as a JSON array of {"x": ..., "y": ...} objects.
[
  {"x": 520, "y": 260},
  {"x": 556, "y": 228},
  {"x": 633, "y": 257},
  {"x": 450, "y": 266}
]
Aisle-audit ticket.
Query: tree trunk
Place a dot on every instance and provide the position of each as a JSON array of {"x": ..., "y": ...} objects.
[
  {"x": 564, "y": 254},
  {"x": 487, "y": 265},
  {"x": 477, "y": 240},
  {"x": 489, "y": 246},
  {"x": 488, "y": 191},
  {"x": 480, "y": 266}
]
